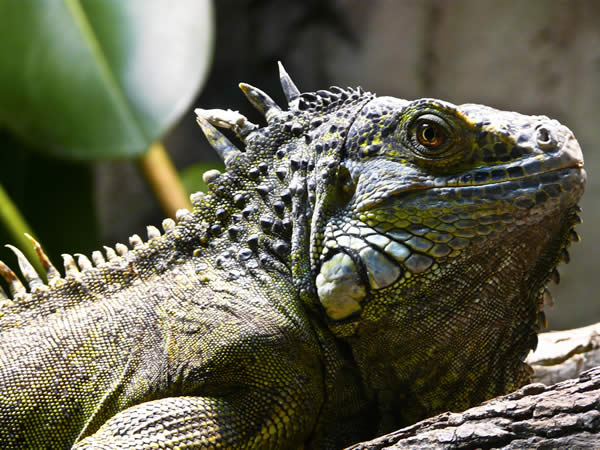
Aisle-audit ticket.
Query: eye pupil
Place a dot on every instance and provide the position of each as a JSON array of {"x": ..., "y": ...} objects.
[{"x": 430, "y": 135}]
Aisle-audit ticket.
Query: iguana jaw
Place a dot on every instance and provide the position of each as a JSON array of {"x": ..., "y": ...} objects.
[
  {"x": 385, "y": 248},
  {"x": 402, "y": 250},
  {"x": 490, "y": 317}
]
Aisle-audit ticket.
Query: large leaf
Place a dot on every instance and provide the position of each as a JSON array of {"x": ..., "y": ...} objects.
[{"x": 87, "y": 79}]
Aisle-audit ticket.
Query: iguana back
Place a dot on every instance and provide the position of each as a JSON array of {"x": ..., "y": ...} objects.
[{"x": 363, "y": 263}]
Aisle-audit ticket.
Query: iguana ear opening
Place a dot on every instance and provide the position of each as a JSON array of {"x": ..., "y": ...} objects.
[{"x": 340, "y": 287}]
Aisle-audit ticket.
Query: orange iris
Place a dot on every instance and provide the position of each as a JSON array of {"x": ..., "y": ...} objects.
[{"x": 430, "y": 134}]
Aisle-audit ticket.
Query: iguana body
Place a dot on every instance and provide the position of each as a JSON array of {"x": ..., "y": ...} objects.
[{"x": 363, "y": 263}]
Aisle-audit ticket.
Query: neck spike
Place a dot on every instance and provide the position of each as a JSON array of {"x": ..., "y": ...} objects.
[
  {"x": 15, "y": 286},
  {"x": 261, "y": 101},
  {"x": 232, "y": 120},
  {"x": 52, "y": 274},
  {"x": 217, "y": 140},
  {"x": 33, "y": 279},
  {"x": 289, "y": 88}
]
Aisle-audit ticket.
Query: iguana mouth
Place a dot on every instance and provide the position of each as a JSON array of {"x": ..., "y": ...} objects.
[
  {"x": 525, "y": 181},
  {"x": 394, "y": 244},
  {"x": 468, "y": 181}
]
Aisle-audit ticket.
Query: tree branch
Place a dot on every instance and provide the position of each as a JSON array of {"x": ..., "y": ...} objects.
[{"x": 562, "y": 355}]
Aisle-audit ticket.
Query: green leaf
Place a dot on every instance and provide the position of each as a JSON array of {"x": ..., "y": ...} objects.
[
  {"x": 88, "y": 79},
  {"x": 12, "y": 220}
]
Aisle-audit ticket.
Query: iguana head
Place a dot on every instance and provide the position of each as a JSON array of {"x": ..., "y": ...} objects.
[
  {"x": 422, "y": 232},
  {"x": 434, "y": 252},
  {"x": 428, "y": 184}
]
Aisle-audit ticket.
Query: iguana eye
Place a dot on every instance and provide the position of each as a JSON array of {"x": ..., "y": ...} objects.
[{"x": 430, "y": 134}]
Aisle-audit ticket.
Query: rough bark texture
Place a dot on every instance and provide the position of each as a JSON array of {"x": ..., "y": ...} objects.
[
  {"x": 562, "y": 355},
  {"x": 563, "y": 415}
]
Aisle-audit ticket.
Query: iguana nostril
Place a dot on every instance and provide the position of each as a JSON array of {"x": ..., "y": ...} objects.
[{"x": 545, "y": 139}]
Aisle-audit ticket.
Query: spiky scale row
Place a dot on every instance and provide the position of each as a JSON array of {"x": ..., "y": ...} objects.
[
  {"x": 276, "y": 225},
  {"x": 321, "y": 100},
  {"x": 294, "y": 173},
  {"x": 74, "y": 265},
  {"x": 15, "y": 287},
  {"x": 31, "y": 277},
  {"x": 238, "y": 123},
  {"x": 52, "y": 274}
]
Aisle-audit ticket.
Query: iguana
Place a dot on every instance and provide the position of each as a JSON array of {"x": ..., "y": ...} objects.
[{"x": 362, "y": 263}]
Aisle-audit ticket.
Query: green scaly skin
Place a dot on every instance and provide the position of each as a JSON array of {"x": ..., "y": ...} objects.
[{"x": 362, "y": 264}]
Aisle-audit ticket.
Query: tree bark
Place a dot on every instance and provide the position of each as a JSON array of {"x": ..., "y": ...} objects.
[
  {"x": 562, "y": 355},
  {"x": 563, "y": 415}
]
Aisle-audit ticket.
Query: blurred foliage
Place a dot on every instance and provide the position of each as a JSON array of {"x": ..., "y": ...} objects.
[
  {"x": 88, "y": 80},
  {"x": 100, "y": 78}
]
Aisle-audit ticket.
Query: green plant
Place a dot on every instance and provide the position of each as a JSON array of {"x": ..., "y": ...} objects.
[{"x": 84, "y": 80}]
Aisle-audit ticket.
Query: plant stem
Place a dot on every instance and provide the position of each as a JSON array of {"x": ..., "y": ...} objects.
[
  {"x": 159, "y": 171},
  {"x": 16, "y": 225}
]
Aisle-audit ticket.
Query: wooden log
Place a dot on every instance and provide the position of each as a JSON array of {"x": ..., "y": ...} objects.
[{"x": 562, "y": 355}]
